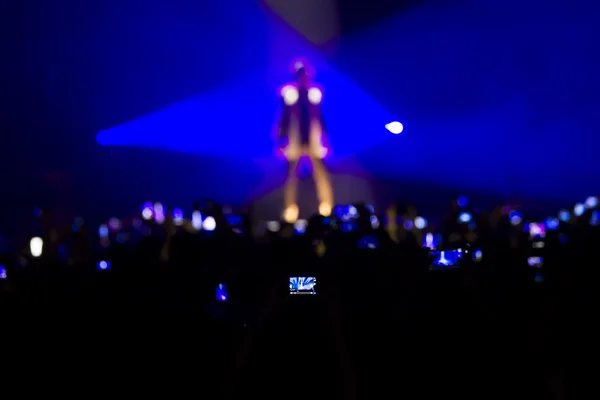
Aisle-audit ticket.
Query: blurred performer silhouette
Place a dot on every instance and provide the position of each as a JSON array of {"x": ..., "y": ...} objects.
[{"x": 301, "y": 130}]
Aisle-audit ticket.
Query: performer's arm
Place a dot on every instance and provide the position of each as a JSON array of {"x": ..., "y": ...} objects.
[
  {"x": 323, "y": 125},
  {"x": 284, "y": 122},
  {"x": 319, "y": 102}
]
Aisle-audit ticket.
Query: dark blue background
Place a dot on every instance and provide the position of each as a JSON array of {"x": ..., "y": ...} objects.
[{"x": 500, "y": 97}]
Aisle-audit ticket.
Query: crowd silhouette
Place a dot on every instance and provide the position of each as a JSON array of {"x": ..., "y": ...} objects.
[{"x": 478, "y": 305}]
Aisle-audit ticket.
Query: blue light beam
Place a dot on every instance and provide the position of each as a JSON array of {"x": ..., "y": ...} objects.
[{"x": 238, "y": 120}]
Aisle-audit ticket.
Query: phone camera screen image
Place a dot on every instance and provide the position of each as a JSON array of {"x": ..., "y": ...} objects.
[
  {"x": 446, "y": 258},
  {"x": 535, "y": 262},
  {"x": 303, "y": 285},
  {"x": 346, "y": 213},
  {"x": 222, "y": 294}
]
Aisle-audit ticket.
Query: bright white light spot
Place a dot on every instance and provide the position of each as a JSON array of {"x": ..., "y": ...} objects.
[
  {"x": 273, "y": 226},
  {"x": 465, "y": 217},
  {"x": 429, "y": 241},
  {"x": 36, "y": 245},
  {"x": 591, "y": 202},
  {"x": 159, "y": 213},
  {"x": 420, "y": 223},
  {"x": 395, "y": 127},
  {"x": 290, "y": 95},
  {"x": 315, "y": 95},
  {"x": 209, "y": 224},
  {"x": 103, "y": 265},
  {"x": 579, "y": 209},
  {"x": 197, "y": 220},
  {"x": 147, "y": 213},
  {"x": 177, "y": 217},
  {"x": 374, "y": 222}
]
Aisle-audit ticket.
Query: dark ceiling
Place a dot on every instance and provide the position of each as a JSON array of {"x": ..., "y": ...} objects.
[{"x": 356, "y": 15}]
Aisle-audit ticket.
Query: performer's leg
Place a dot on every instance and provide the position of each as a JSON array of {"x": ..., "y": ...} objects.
[
  {"x": 290, "y": 194},
  {"x": 323, "y": 184},
  {"x": 320, "y": 175}
]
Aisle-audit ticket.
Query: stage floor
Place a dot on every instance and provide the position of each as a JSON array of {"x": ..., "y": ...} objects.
[
  {"x": 431, "y": 200},
  {"x": 348, "y": 189}
]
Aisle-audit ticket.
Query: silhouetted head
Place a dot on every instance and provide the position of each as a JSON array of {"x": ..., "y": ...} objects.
[
  {"x": 302, "y": 77},
  {"x": 302, "y": 72}
]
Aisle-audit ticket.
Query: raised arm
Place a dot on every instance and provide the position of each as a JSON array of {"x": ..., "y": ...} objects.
[
  {"x": 284, "y": 120},
  {"x": 323, "y": 125}
]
